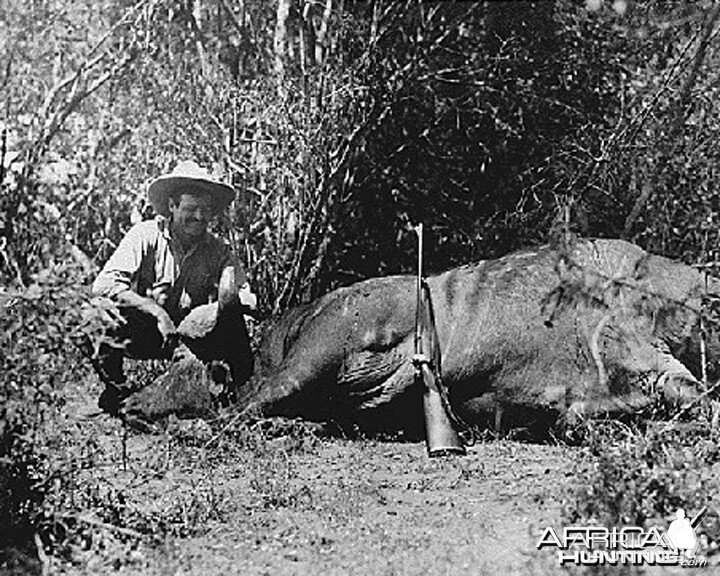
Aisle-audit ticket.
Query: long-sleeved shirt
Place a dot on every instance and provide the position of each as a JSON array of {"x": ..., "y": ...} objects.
[{"x": 151, "y": 263}]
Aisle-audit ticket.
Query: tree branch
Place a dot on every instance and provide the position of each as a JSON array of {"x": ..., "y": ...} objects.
[
  {"x": 280, "y": 37},
  {"x": 322, "y": 33},
  {"x": 677, "y": 119}
]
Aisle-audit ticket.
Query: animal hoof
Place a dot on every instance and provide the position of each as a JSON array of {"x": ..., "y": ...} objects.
[
  {"x": 138, "y": 422},
  {"x": 112, "y": 398}
]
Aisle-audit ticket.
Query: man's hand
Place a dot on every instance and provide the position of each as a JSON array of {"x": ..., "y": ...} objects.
[{"x": 167, "y": 328}]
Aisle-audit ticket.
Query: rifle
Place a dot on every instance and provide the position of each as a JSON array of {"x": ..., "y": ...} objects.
[
  {"x": 440, "y": 435},
  {"x": 698, "y": 517}
]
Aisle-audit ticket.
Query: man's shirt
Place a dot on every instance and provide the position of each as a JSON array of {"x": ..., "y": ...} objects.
[{"x": 149, "y": 262}]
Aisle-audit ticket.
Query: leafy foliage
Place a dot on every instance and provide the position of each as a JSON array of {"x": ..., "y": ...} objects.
[
  {"x": 37, "y": 359},
  {"x": 370, "y": 119},
  {"x": 637, "y": 478}
]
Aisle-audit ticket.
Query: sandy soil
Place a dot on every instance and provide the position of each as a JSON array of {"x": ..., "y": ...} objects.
[
  {"x": 381, "y": 508},
  {"x": 286, "y": 501},
  {"x": 277, "y": 499}
]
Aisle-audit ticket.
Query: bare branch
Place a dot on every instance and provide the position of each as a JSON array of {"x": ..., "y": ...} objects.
[
  {"x": 52, "y": 95},
  {"x": 677, "y": 120},
  {"x": 280, "y": 39},
  {"x": 322, "y": 32},
  {"x": 53, "y": 125}
]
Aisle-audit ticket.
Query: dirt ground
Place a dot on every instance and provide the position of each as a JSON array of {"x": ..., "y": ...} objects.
[
  {"x": 278, "y": 499},
  {"x": 375, "y": 508}
]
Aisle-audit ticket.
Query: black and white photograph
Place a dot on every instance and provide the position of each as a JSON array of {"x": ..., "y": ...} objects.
[{"x": 359, "y": 287}]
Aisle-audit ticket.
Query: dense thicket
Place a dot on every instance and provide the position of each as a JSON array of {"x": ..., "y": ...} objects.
[
  {"x": 497, "y": 124},
  {"x": 507, "y": 120}
]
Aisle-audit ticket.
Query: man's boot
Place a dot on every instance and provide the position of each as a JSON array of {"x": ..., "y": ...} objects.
[
  {"x": 108, "y": 366},
  {"x": 112, "y": 398}
]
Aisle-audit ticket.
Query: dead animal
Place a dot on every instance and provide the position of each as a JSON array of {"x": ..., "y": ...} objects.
[{"x": 553, "y": 333}]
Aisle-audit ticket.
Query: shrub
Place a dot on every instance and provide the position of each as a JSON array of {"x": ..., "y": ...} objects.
[
  {"x": 633, "y": 477},
  {"x": 37, "y": 358}
]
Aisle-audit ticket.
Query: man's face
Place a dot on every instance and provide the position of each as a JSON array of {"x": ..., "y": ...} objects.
[{"x": 191, "y": 215}]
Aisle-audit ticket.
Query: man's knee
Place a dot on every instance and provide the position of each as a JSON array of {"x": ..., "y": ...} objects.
[{"x": 124, "y": 328}]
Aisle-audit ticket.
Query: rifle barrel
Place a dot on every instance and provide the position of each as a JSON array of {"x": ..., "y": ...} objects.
[{"x": 418, "y": 309}]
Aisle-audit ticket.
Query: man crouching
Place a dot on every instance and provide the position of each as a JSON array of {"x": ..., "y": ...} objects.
[{"x": 162, "y": 270}]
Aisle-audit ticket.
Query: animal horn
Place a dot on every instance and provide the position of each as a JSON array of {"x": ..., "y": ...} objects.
[{"x": 227, "y": 290}]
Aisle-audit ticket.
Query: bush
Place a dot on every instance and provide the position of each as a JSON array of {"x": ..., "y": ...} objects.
[
  {"x": 633, "y": 477},
  {"x": 38, "y": 357}
]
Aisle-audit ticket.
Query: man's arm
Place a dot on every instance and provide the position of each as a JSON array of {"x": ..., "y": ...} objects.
[
  {"x": 116, "y": 278},
  {"x": 166, "y": 326},
  {"x": 124, "y": 264}
]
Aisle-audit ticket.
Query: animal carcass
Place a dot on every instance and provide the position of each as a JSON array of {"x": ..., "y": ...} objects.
[{"x": 599, "y": 326}]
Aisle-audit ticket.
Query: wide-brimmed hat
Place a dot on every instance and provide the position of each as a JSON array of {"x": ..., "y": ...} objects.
[{"x": 188, "y": 176}]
